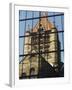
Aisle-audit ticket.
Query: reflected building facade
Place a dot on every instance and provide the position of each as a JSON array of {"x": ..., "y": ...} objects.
[{"x": 42, "y": 57}]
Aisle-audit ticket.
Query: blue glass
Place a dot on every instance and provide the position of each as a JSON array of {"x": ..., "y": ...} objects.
[
  {"x": 36, "y": 14},
  {"x": 29, "y": 14},
  {"x": 22, "y": 14},
  {"x": 58, "y": 23},
  {"x": 21, "y": 28}
]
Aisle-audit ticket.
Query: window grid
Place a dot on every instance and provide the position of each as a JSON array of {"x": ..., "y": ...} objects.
[{"x": 38, "y": 35}]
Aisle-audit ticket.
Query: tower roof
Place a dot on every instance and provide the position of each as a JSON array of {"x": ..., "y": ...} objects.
[{"x": 44, "y": 22}]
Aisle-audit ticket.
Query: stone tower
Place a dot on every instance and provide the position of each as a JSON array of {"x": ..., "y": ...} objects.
[
  {"x": 51, "y": 36},
  {"x": 43, "y": 39}
]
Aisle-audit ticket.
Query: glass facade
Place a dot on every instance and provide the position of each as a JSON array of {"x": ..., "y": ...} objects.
[{"x": 41, "y": 44}]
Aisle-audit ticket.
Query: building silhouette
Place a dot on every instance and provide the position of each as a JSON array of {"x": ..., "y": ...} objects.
[{"x": 42, "y": 57}]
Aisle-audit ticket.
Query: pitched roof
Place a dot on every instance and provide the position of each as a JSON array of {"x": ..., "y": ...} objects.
[{"x": 45, "y": 23}]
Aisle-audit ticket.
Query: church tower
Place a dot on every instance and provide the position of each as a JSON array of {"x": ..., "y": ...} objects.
[
  {"x": 49, "y": 39},
  {"x": 42, "y": 40}
]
